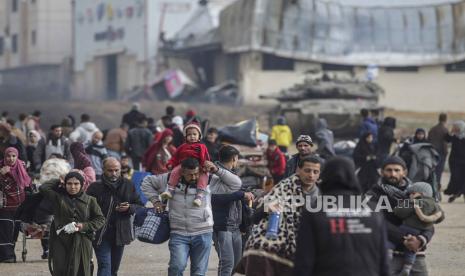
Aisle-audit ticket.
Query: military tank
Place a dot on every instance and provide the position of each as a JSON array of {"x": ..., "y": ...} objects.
[{"x": 338, "y": 100}]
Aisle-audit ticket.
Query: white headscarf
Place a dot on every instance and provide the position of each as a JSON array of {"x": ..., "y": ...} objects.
[
  {"x": 461, "y": 127},
  {"x": 178, "y": 121},
  {"x": 37, "y": 136}
]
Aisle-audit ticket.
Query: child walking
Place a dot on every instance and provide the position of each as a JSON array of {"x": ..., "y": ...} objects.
[
  {"x": 192, "y": 148},
  {"x": 419, "y": 214}
]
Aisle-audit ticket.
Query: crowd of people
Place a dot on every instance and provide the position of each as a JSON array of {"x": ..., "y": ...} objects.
[{"x": 77, "y": 178}]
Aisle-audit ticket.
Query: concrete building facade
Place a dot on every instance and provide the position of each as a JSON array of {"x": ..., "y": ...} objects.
[
  {"x": 34, "y": 32},
  {"x": 35, "y": 44},
  {"x": 116, "y": 42}
]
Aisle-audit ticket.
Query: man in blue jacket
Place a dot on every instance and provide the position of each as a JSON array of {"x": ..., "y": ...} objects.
[
  {"x": 368, "y": 125},
  {"x": 227, "y": 213}
]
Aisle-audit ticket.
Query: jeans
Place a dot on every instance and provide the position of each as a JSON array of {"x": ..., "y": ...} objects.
[
  {"x": 109, "y": 257},
  {"x": 181, "y": 247},
  {"x": 136, "y": 163},
  {"x": 228, "y": 245},
  {"x": 409, "y": 256}
]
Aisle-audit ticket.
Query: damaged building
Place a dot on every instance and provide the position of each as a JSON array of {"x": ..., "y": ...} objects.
[{"x": 416, "y": 46}]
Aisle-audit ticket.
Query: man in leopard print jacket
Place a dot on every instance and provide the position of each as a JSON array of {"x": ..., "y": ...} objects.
[{"x": 266, "y": 257}]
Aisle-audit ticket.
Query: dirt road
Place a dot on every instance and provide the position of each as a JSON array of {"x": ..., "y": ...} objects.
[{"x": 444, "y": 255}]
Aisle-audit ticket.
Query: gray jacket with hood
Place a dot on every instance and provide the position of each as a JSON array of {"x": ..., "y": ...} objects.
[
  {"x": 185, "y": 218},
  {"x": 325, "y": 139}
]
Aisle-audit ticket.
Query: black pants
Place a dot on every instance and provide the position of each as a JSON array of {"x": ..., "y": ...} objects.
[
  {"x": 44, "y": 243},
  {"x": 9, "y": 231},
  {"x": 136, "y": 163}
]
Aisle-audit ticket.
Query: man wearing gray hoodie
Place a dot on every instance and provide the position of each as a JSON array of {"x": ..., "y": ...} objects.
[
  {"x": 325, "y": 139},
  {"x": 83, "y": 133},
  {"x": 191, "y": 227}
]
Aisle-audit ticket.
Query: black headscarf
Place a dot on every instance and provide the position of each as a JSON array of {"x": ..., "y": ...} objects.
[
  {"x": 79, "y": 177},
  {"x": 339, "y": 174},
  {"x": 416, "y": 140}
]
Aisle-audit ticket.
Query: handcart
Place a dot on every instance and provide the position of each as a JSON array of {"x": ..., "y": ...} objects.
[{"x": 33, "y": 231}]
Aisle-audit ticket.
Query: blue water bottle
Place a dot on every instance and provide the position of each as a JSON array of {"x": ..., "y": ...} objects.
[{"x": 273, "y": 226}]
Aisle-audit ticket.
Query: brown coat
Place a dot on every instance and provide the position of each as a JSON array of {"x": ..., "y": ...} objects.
[
  {"x": 437, "y": 136},
  {"x": 115, "y": 139}
]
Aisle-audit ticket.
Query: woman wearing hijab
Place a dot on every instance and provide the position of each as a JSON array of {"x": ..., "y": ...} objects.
[
  {"x": 158, "y": 154},
  {"x": 420, "y": 136},
  {"x": 13, "y": 181},
  {"x": 365, "y": 161},
  {"x": 76, "y": 217},
  {"x": 178, "y": 121},
  {"x": 456, "y": 186},
  {"x": 351, "y": 241}
]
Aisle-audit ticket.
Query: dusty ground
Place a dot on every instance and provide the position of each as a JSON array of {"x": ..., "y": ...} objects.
[{"x": 444, "y": 256}]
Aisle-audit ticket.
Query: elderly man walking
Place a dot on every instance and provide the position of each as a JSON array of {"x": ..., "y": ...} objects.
[{"x": 118, "y": 200}]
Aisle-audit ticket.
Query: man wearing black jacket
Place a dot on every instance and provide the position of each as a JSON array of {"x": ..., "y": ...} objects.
[
  {"x": 343, "y": 241},
  {"x": 118, "y": 200},
  {"x": 227, "y": 215},
  {"x": 393, "y": 185},
  {"x": 211, "y": 141}
]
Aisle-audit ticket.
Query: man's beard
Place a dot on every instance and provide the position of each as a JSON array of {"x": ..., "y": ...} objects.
[
  {"x": 111, "y": 179},
  {"x": 392, "y": 180},
  {"x": 192, "y": 182}
]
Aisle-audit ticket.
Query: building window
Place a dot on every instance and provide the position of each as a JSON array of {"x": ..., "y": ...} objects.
[
  {"x": 14, "y": 43},
  {"x": 14, "y": 5},
  {"x": 456, "y": 67},
  {"x": 336, "y": 67},
  {"x": 272, "y": 62},
  {"x": 1, "y": 46},
  {"x": 33, "y": 37},
  {"x": 402, "y": 69}
]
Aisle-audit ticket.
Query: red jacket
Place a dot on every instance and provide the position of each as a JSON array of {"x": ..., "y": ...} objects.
[
  {"x": 158, "y": 167},
  {"x": 276, "y": 162},
  {"x": 196, "y": 150}
]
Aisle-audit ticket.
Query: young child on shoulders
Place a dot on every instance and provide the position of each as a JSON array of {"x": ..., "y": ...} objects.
[{"x": 192, "y": 148}]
